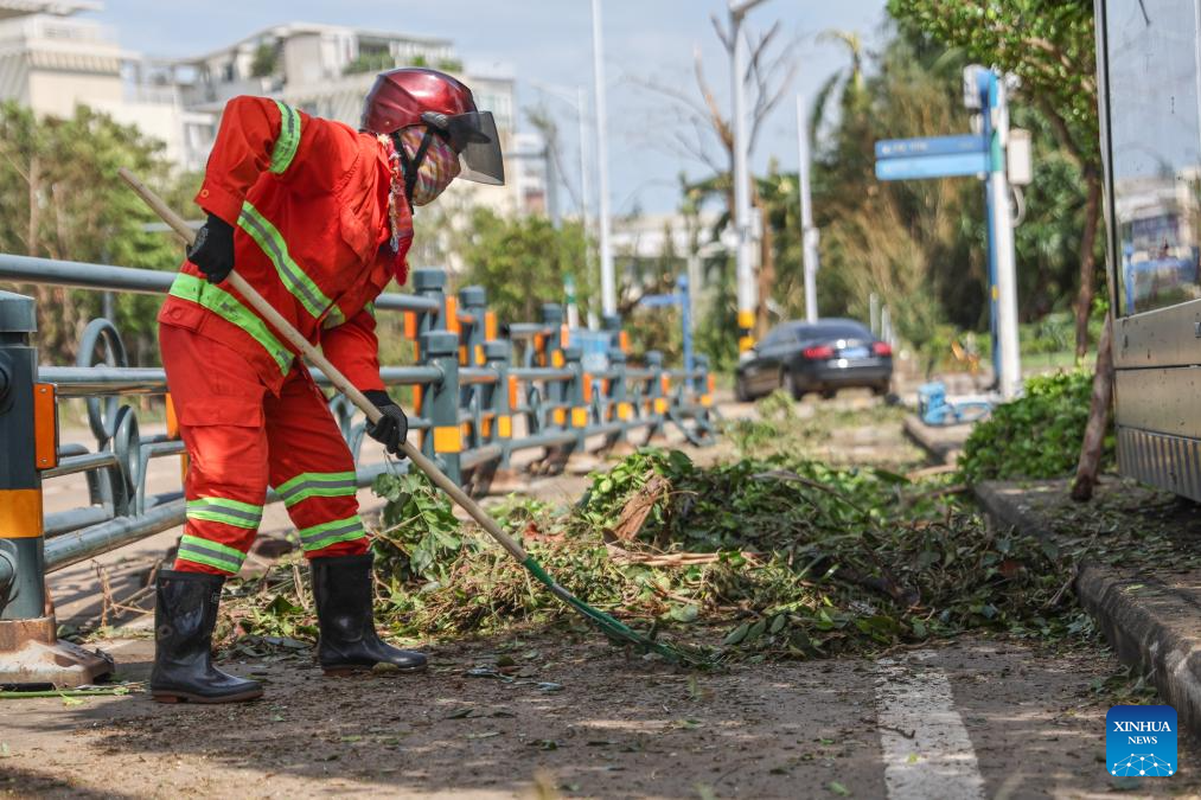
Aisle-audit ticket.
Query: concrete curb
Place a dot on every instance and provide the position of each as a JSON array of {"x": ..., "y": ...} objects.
[
  {"x": 944, "y": 443},
  {"x": 1149, "y": 624}
]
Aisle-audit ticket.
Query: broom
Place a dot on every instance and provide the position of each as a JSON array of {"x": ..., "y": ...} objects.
[{"x": 613, "y": 628}]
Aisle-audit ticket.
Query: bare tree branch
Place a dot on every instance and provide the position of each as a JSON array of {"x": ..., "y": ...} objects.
[
  {"x": 678, "y": 95},
  {"x": 721, "y": 126},
  {"x": 721, "y": 34}
]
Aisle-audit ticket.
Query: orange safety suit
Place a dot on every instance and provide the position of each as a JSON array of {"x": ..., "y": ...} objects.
[{"x": 308, "y": 200}]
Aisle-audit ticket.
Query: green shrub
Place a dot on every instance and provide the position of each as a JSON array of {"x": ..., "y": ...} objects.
[{"x": 1036, "y": 436}]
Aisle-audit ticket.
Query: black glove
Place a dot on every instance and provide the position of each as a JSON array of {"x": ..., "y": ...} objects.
[
  {"x": 213, "y": 250},
  {"x": 392, "y": 427}
]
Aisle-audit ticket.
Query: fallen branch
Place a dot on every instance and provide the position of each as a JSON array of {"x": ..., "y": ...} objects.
[
  {"x": 929, "y": 472},
  {"x": 934, "y": 494},
  {"x": 115, "y": 691},
  {"x": 676, "y": 559},
  {"x": 639, "y": 507}
]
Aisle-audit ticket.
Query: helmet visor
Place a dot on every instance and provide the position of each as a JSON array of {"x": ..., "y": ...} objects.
[{"x": 473, "y": 136}]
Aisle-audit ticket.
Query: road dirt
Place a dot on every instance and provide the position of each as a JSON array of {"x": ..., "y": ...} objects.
[{"x": 574, "y": 717}]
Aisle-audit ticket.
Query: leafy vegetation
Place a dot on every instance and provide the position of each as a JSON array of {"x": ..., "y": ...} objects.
[
  {"x": 1051, "y": 48},
  {"x": 776, "y": 557},
  {"x": 921, "y": 243},
  {"x": 371, "y": 61},
  {"x": 520, "y": 260},
  {"x": 61, "y": 198},
  {"x": 1036, "y": 436},
  {"x": 266, "y": 59}
]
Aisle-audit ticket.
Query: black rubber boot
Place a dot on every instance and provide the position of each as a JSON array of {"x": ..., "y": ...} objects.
[
  {"x": 349, "y": 643},
  {"x": 185, "y": 613}
]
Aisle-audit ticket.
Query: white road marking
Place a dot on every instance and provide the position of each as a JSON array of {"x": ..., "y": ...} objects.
[{"x": 927, "y": 751}]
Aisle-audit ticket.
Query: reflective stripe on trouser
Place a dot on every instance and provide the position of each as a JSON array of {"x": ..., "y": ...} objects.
[{"x": 239, "y": 439}]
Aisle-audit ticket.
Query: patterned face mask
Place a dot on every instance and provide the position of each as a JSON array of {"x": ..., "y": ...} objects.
[{"x": 438, "y": 168}]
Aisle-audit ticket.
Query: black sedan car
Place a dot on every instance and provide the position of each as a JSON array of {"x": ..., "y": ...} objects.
[{"x": 823, "y": 356}]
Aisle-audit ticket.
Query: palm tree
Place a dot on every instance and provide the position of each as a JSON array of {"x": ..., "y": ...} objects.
[{"x": 848, "y": 80}]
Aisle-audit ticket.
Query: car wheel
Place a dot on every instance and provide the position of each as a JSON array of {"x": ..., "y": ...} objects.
[
  {"x": 880, "y": 389},
  {"x": 797, "y": 386},
  {"x": 740, "y": 391},
  {"x": 828, "y": 394}
]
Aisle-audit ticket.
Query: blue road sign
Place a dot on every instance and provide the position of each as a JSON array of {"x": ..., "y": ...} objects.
[
  {"x": 931, "y": 146},
  {"x": 656, "y": 300},
  {"x": 945, "y": 166}
]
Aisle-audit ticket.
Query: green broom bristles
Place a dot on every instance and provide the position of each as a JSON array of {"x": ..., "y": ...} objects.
[{"x": 614, "y": 628}]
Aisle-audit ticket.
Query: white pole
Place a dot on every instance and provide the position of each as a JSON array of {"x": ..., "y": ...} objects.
[
  {"x": 742, "y": 212},
  {"x": 585, "y": 182},
  {"x": 608, "y": 285},
  {"x": 694, "y": 283},
  {"x": 809, "y": 234},
  {"x": 1007, "y": 302}
]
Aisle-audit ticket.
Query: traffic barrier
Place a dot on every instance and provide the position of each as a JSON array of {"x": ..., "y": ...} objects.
[{"x": 479, "y": 398}]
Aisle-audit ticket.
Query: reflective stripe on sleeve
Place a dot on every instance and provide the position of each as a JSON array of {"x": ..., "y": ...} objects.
[
  {"x": 229, "y": 512},
  {"x": 225, "y": 305},
  {"x": 212, "y": 554},
  {"x": 273, "y": 245},
  {"x": 327, "y": 533},
  {"x": 289, "y": 138},
  {"x": 334, "y": 318},
  {"x": 317, "y": 484}
]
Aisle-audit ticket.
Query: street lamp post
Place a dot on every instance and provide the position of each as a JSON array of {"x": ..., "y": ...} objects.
[
  {"x": 608, "y": 284},
  {"x": 809, "y": 234},
  {"x": 742, "y": 200}
]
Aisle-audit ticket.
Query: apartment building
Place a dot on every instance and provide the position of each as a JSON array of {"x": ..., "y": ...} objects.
[{"x": 52, "y": 59}]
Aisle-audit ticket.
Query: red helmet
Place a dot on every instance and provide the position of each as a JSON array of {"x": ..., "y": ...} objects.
[{"x": 418, "y": 96}]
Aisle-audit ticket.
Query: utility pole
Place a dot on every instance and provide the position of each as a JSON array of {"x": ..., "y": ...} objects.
[
  {"x": 809, "y": 233},
  {"x": 994, "y": 112},
  {"x": 608, "y": 284},
  {"x": 742, "y": 199},
  {"x": 585, "y": 183},
  {"x": 552, "y": 186}
]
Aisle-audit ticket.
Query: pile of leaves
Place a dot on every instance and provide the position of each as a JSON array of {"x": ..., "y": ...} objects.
[
  {"x": 1036, "y": 436},
  {"x": 775, "y": 557}
]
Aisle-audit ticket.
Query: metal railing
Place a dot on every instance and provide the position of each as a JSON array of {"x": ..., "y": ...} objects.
[{"x": 480, "y": 398}]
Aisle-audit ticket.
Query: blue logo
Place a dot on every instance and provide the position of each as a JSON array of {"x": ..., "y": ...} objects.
[{"x": 1140, "y": 741}]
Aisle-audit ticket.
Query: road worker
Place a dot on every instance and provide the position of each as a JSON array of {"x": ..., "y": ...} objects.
[{"x": 318, "y": 218}]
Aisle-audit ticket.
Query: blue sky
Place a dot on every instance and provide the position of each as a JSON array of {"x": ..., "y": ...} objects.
[{"x": 549, "y": 41}]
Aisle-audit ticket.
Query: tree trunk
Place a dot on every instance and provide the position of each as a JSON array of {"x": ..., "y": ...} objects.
[
  {"x": 1088, "y": 261},
  {"x": 1098, "y": 418}
]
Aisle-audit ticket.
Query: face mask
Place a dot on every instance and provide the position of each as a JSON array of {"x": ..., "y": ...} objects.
[{"x": 438, "y": 167}]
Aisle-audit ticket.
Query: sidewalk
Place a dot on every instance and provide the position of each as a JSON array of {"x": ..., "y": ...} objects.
[
  {"x": 944, "y": 443},
  {"x": 1138, "y": 555}
]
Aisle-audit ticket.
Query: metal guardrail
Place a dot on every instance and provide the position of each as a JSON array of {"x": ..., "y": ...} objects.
[{"x": 474, "y": 409}]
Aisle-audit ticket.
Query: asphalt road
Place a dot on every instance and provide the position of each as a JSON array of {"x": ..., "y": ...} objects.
[{"x": 974, "y": 718}]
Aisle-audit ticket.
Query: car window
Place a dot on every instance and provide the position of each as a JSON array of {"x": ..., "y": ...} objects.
[
  {"x": 843, "y": 330},
  {"x": 803, "y": 332}
]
